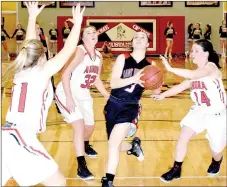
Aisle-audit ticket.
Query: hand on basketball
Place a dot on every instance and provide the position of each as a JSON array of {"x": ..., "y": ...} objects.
[
  {"x": 158, "y": 97},
  {"x": 77, "y": 15},
  {"x": 70, "y": 104},
  {"x": 137, "y": 78},
  {"x": 33, "y": 9},
  {"x": 165, "y": 63}
]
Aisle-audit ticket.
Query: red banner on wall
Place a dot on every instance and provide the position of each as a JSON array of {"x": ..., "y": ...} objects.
[{"x": 118, "y": 31}]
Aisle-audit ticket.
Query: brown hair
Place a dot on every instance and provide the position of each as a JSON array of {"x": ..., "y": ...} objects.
[{"x": 82, "y": 33}]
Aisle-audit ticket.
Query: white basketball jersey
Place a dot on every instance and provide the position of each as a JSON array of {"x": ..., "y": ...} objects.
[
  {"x": 84, "y": 75},
  {"x": 31, "y": 98},
  {"x": 209, "y": 93}
]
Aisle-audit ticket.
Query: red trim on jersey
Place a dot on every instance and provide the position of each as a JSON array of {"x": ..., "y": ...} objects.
[
  {"x": 22, "y": 99},
  {"x": 127, "y": 55},
  {"x": 43, "y": 106},
  {"x": 61, "y": 105},
  {"x": 11, "y": 100},
  {"x": 17, "y": 132},
  {"x": 40, "y": 152},
  {"x": 89, "y": 52},
  {"x": 86, "y": 54}
]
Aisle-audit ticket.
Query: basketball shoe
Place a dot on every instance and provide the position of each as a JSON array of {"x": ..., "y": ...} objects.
[
  {"x": 136, "y": 149},
  {"x": 90, "y": 151},
  {"x": 173, "y": 173},
  {"x": 83, "y": 172},
  {"x": 214, "y": 167},
  {"x": 106, "y": 183}
]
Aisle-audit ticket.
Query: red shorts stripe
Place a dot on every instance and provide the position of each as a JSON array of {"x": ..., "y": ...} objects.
[
  {"x": 18, "y": 134},
  {"x": 40, "y": 152},
  {"x": 61, "y": 105}
]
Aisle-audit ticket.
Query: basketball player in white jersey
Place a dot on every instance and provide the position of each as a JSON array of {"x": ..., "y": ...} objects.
[
  {"x": 74, "y": 99},
  {"x": 23, "y": 156},
  {"x": 209, "y": 109}
]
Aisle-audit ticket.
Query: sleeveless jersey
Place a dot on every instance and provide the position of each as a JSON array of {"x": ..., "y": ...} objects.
[
  {"x": 84, "y": 76},
  {"x": 30, "y": 100},
  {"x": 209, "y": 93},
  {"x": 132, "y": 92}
]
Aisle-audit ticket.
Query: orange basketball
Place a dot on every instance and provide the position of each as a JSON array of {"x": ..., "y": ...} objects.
[{"x": 153, "y": 77}]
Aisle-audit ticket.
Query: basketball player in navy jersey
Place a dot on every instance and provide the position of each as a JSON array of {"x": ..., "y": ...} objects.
[{"x": 122, "y": 108}]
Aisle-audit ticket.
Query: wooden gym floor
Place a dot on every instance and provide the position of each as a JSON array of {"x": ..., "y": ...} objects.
[{"x": 158, "y": 129}]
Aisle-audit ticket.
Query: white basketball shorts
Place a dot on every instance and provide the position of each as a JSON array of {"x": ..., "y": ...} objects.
[
  {"x": 83, "y": 109},
  {"x": 214, "y": 124},
  {"x": 24, "y": 158}
]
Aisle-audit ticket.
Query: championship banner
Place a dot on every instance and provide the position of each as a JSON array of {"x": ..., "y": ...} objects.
[{"x": 119, "y": 32}]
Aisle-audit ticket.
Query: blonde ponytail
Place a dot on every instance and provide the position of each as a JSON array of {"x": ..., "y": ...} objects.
[{"x": 31, "y": 51}]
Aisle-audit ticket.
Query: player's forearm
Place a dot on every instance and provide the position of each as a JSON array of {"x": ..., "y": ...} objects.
[
  {"x": 101, "y": 88},
  {"x": 188, "y": 74},
  {"x": 70, "y": 46},
  {"x": 31, "y": 32},
  {"x": 66, "y": 85},
  {"x": 177, "y": 89},
  {"x": 119, "y": 83}
]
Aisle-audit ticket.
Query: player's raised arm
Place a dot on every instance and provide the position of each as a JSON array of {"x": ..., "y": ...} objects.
[
  {"x": 55, "y": 64},
  {"x": 33, "y": 12}
]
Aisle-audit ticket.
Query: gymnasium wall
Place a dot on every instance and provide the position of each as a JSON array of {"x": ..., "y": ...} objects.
[
  {"x": 212, "y": 15},
  {"x": 8, "y": 6}
]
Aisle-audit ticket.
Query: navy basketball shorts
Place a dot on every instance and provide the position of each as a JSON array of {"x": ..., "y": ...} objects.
[{"x": 118, "y": 111}]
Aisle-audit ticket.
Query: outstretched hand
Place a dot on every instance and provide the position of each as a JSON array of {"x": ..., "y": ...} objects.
[
  {"x": 33, "y": 9},
  {"x": 77, "y": 14},
  {"x": 165, "y": 63},
  {"x": 157, "y": 97}
]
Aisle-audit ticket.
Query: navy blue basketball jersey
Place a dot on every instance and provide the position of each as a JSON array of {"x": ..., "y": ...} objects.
[{"x": 132, "y": 92}]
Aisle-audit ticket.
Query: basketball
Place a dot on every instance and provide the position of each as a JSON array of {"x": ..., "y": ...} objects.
[{"x": 153, "y": 77}]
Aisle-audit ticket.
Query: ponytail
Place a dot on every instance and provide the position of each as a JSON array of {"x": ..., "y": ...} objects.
[{"x": 213, "y": 57}]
